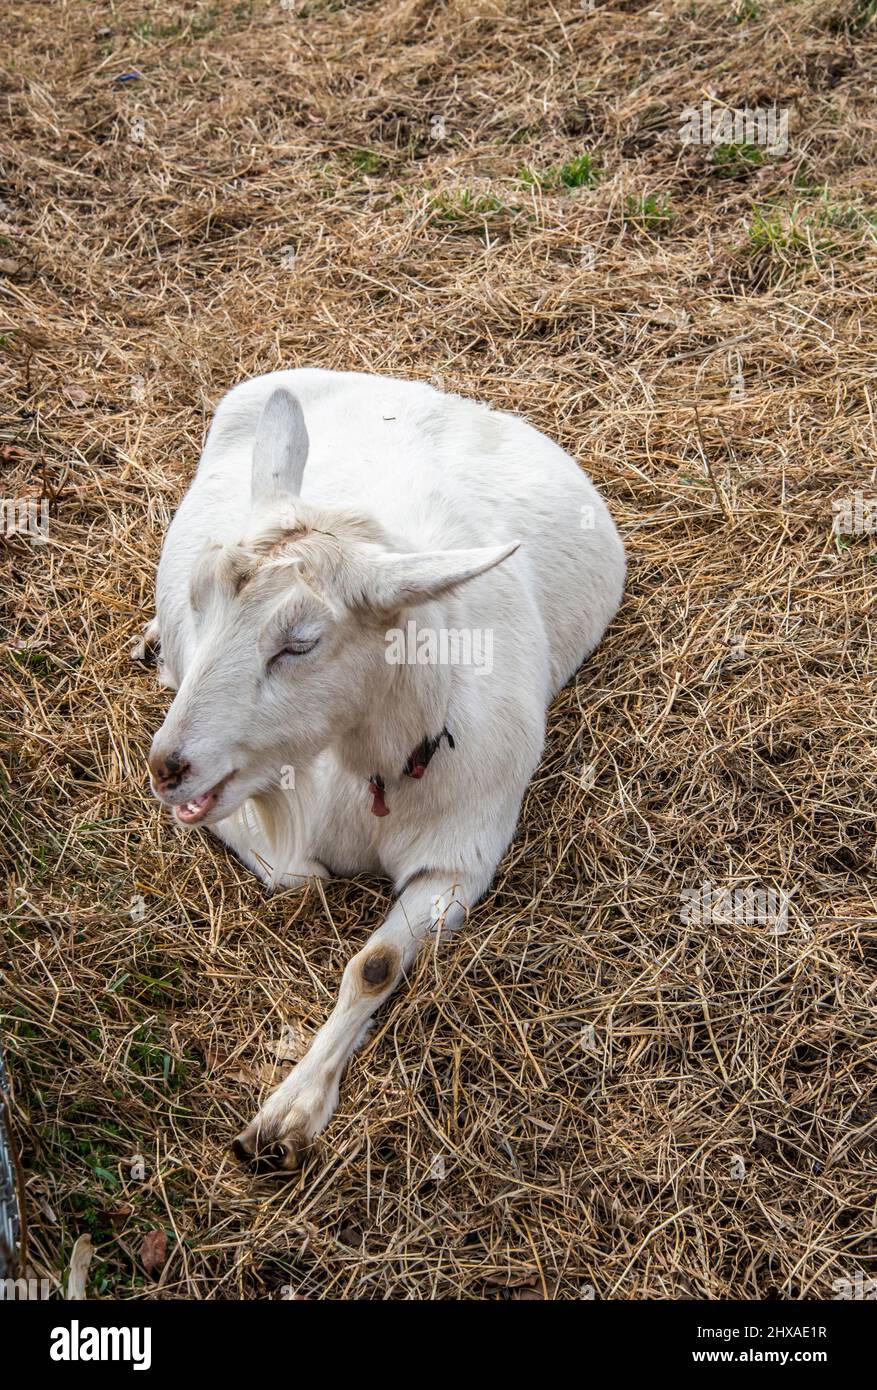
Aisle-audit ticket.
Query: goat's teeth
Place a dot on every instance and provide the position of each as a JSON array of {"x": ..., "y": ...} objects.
[{"x": 191, "y": 806}]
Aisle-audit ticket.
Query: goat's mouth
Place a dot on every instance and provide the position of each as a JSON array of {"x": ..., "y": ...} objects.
[{"x": 199, "y": 808}]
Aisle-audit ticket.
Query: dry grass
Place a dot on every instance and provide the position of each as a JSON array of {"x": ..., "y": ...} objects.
[{"x": 728, "y": 718}]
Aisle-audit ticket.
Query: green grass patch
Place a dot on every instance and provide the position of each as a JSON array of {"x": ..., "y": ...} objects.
[
  {"x": 775, "y": 233},
  {"x": 463, "y": 207},
  {"x": 793, "y": 235},
  {"x": 581, "y": 172},
  {"x": 649, "y": 212},
  {"x": 735, "y": 159},
  {"x": 366, "y": 161},
  {"x": 148, "y": 1057},
  {"x": 854, "y": 20},
  {"x": 524, "y": 133},
  {"x": 198, "y": 27}
]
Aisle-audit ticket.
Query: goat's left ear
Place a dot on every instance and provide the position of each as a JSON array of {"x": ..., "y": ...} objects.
[
  {"x": 396, "y": 580},
  {"x": 280, "y": 450}
]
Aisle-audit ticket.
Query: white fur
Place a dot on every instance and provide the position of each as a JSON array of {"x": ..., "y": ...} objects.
[{"x": 448, "y": 487}]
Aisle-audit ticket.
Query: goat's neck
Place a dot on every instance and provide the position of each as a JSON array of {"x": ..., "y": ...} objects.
[{"x": 405, "y": 704}]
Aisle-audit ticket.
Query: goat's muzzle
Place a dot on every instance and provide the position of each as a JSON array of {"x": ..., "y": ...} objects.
[{"x": 167, "y": 771}]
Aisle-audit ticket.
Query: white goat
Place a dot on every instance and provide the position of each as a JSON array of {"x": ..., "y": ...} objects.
[{"x": 325, "y": 630}]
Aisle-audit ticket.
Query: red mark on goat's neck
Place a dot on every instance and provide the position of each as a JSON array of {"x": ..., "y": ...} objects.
[
  {"x": 379, "y": 805},
  {"x": 415, "y": 767}
]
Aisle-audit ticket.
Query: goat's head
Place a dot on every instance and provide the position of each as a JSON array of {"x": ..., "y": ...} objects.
[{"x": 290, "y": 626}]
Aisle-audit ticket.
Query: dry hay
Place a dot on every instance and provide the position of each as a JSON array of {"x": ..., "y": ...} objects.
[{"x": 289, "y": 199}]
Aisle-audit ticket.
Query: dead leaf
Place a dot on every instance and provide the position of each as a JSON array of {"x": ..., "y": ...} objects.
[
  {"x": 9, "y": 267},
  {"x": 76, "y": 395},
  {"x": 80, "y": 1260},
  {"x": 673, "y": 318},
  {"x": 153, "y": 1252},
  {"x": 292, "y": 1044},
  {"x": 117, "y": 1216}
]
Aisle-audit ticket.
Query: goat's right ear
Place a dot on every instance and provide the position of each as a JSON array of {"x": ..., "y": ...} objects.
[
  {"x": 398, "y": 580},
  {"x": 280, "y": 450}
]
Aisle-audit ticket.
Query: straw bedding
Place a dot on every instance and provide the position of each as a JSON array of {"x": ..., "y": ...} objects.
[{"x": 589, "y": 1092}]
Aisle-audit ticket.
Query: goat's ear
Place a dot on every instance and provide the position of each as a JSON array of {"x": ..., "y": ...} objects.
[
  {"x": 280, "y": 450},
  {"x": 396, "y": 580}
]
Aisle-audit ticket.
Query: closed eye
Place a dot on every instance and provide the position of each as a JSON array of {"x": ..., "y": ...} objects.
[{"x": 294, "y": 647}]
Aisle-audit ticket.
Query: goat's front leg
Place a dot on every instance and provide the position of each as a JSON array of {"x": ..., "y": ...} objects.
[{"x": 306, "y": 1100}]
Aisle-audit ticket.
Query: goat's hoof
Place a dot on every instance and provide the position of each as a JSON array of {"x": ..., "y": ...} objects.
[
  {"x": 147, "y": 648},
  {"x": 267, "y": 1152}
]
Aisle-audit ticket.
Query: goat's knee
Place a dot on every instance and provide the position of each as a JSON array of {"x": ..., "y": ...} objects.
[{"x": 375, "y": 971}]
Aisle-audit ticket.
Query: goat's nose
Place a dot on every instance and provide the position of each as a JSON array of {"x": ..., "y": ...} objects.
[{"x": 168, "y": 771}]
